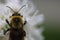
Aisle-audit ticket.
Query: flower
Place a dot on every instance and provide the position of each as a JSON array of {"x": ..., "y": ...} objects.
[{"x": 30, "y": 14}]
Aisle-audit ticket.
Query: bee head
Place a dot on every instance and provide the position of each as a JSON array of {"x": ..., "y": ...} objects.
[{"x": 16, "y": 18}]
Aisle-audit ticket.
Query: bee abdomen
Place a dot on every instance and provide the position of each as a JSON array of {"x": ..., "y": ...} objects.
[{"x": 17, "y": 35}]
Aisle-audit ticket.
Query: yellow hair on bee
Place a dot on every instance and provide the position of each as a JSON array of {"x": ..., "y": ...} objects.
[
  {"x": 18, "y": 17},
  {"x": 20, "y": 20}
]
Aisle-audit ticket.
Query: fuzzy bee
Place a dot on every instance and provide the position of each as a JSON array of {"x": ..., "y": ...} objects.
[{"x": 16, "y": 26}]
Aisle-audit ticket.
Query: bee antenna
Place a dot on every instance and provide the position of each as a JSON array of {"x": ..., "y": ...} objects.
[
  {"x": 21, "y": 7},
  {"x": 10, "y": 8}
]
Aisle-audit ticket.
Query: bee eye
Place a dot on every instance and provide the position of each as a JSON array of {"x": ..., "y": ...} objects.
[{"x": 20, "y": 15}]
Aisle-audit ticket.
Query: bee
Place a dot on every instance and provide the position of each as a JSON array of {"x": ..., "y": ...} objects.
[{"x": 16, "y": 26}]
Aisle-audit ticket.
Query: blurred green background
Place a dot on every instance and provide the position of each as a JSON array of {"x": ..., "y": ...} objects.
[{"x": 51, "y": 11}]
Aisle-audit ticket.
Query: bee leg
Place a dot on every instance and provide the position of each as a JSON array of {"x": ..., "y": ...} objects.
[
  {"x": 7, "y": 22},
  {"x": 24, "y": 33},
  {"x": 25, "y": 22},
  {"x": 6, "y": 31}
]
